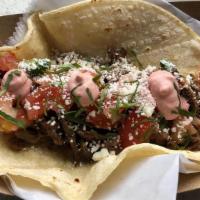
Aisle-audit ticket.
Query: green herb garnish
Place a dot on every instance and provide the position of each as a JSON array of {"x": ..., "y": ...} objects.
[
  {"x": 105, "y": 67},
  {"x": 77, "y": 100},
  {"x": 90, "y": 95},
  {"x": 186, "y": 141},
  {"x": 11, "y": 119},
  {"x": 133, "y": 53},
  {"x": 117, "y": 106},
  {"x": 75, "y": 97},
  {"x": 185, "y": 113},
  {"x": 75, "y": 116},
  {"x": 166, "y": 65},
  {"x": 18, "y": 99},
  {"x": 76, "y": 65},
  {"x": 61, "y": 83},
  {"x": 163, "y": 123},
  {"x": 115, "y": 111},
  {"x": 8, "y": 81},
  {"x": 121, "y": 105},
  {"x": 102, "y": 97},
  {"x": 79, "y": 112},
  {"x": 65, "y": 68},
  {"x": 134, "y": 93},
  {"x": 37, "y": 67},
  {"x": 96, "y": 78},
  {"x": 126, "y": 106}
]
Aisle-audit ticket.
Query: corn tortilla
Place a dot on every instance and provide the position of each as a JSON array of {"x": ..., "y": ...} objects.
[{"x": 89, "y": 28}]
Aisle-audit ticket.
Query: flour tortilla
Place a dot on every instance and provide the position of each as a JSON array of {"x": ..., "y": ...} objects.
[{"x": 89, "y": 28}]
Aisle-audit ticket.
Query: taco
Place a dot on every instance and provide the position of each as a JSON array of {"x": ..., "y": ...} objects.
[{"x": 121, "y": 83}]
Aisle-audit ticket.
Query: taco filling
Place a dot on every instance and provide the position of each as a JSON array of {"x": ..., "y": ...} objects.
[{"x": 90, "y": 108}]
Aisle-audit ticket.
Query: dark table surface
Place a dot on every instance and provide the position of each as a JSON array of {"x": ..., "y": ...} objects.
[
  {"x": 190, "y": 7},
  {"x": 193, "y": 9}
]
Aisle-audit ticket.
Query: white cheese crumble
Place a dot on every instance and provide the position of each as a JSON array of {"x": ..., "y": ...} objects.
[
  {"x": 127, "y": 89},
  {"x": 31, "y": 64},
  {"x": 92, "y": 113},
  {"x": 100, "y": 155},
  {"x": 27, "y": 105},
  {"x": 166, "y": 130},
  {"x": 130, "y": 137},
  {"x": 173, "y": 129},
  {"x": 129, "y": 80},
  {"x": 35, "y": 107},
  {"x": 181, "y": 125},
  {"x": 95, "y": 148}
]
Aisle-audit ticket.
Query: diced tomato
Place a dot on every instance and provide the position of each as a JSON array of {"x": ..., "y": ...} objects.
[
  {"x": 134, "y": 129},
  {"x": 8, "y": 61},
  {"x": 99, "y": 120},
  {"x": 45, "y": 98},
  {"x": 105, "y": 119},
  {"x": 109, "y": 109}
]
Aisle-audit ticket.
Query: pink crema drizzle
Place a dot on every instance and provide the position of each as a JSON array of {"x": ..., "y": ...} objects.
[
  {"x": 20, "y": 85},
  {"x": 82, "y": 84},
  {"x": 161, "y": 85}
]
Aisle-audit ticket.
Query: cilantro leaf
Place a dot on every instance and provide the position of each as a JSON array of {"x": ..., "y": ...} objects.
[
  {"x": 38, "y": 67},
  {"x": 75, "y": 97},
  {"x": 66, "y": 67},
  {"x": 11, "y": 119},
  {"x": 76, "y": 116},
  {"x": 166, "y": 65},
  {"x": 90, "y": 95},
  {"x": 133, "y": 53},
  {"x": 135, "y": 92},
  {"x": 185, "y": 113},
  {"x": 102, "y": 97},
  {"x": 96, "y": 78}
]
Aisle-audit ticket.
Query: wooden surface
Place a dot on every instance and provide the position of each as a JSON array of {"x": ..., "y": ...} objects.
[{"x": 190, "y": 7}]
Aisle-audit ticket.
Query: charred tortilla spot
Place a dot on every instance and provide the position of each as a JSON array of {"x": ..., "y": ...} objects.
[
  {"x": 108, "y": 29},
  {"x": 77, "y": 180}
]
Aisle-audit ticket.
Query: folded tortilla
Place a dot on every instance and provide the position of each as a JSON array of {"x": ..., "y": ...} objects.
[{"x": 90, "y": 28}]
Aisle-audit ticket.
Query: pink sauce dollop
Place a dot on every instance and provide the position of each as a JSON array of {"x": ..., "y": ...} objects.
[
  {"x": 81, "y": 82},
  {"x": 161, "y": 85},
  {"x": 20, "y": 85}
]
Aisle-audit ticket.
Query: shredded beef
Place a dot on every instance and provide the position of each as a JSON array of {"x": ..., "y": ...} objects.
[{"x": 61, "y": 133}]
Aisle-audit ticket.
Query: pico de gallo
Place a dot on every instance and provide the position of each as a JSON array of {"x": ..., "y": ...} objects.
[{"x": 92, "y": 108}]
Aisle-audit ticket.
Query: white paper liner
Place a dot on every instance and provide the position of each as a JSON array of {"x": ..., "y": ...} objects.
[{"x": 152, "y": 178}]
